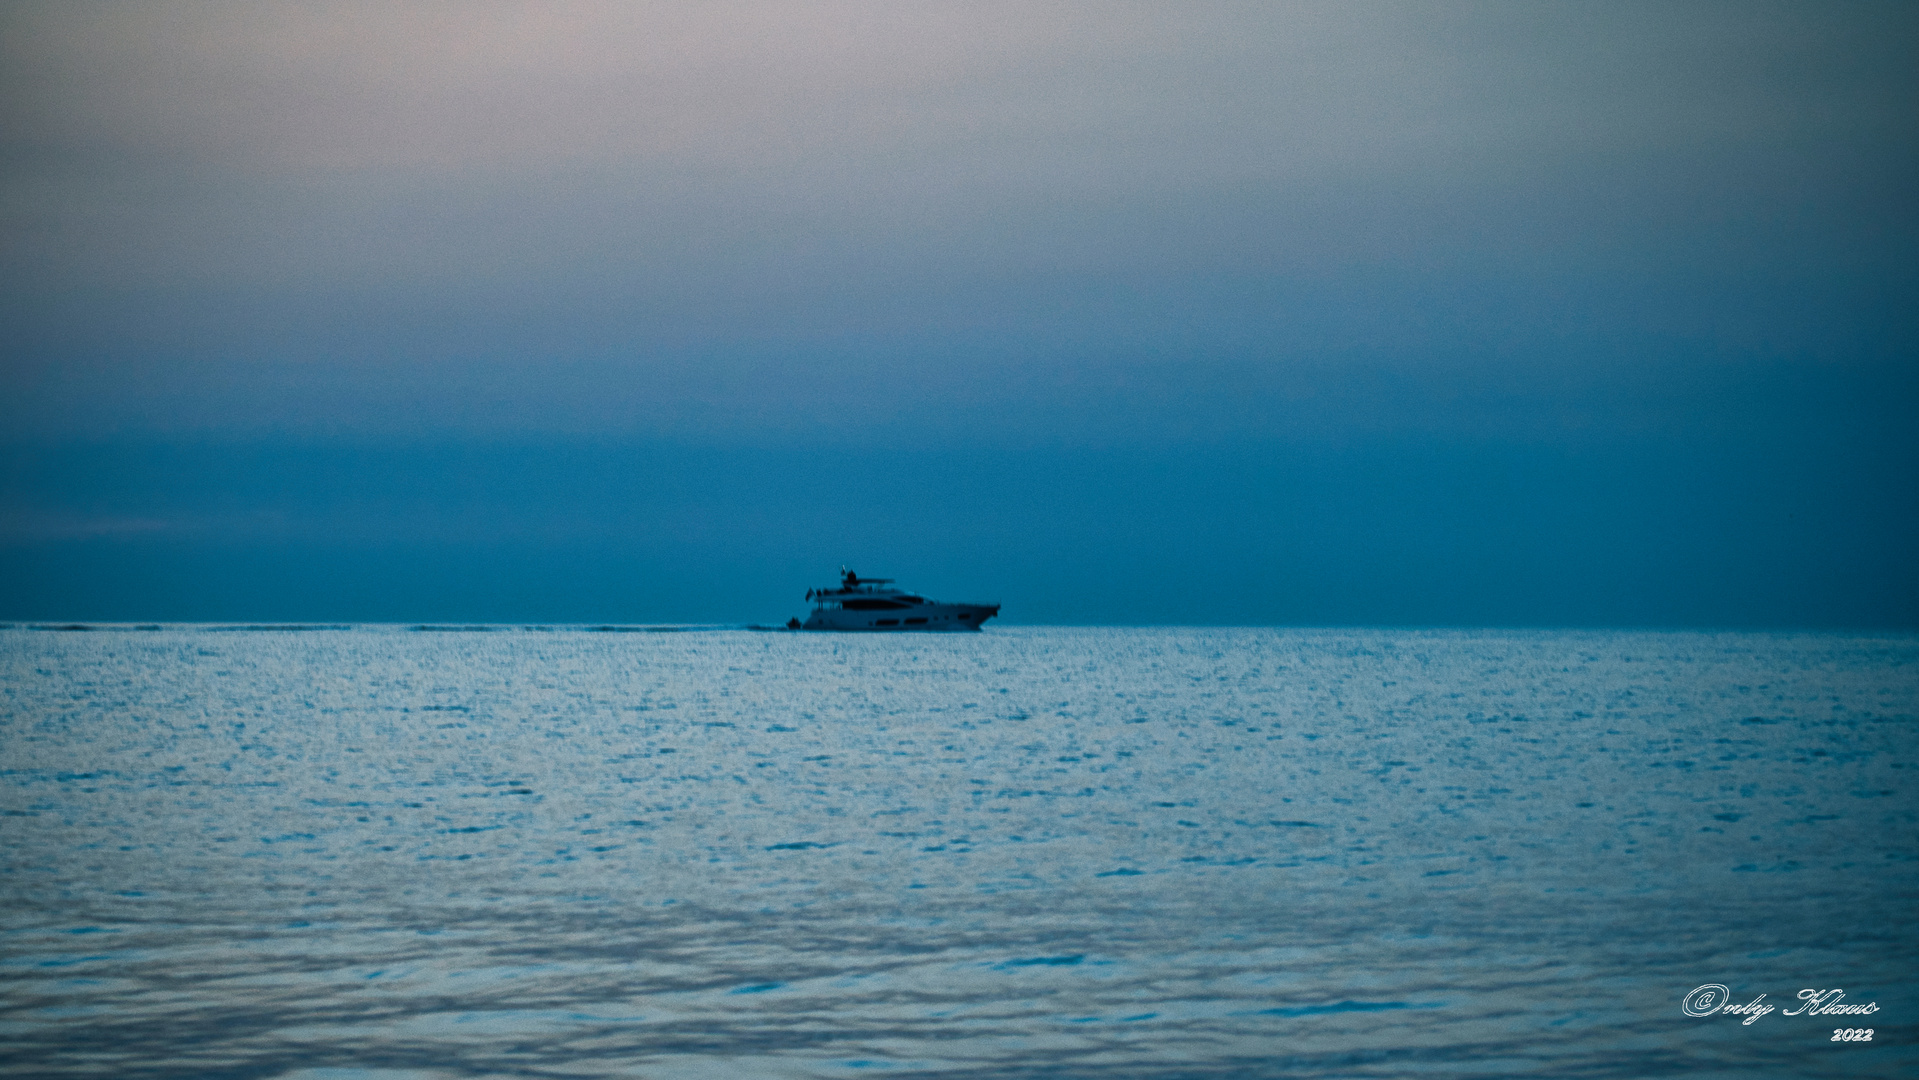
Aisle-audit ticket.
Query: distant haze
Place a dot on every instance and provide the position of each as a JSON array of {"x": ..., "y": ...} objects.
[{"x": 1466, "y": 314}]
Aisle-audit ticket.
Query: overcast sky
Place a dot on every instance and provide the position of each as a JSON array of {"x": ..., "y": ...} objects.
[{"x": 996, "y": 255}]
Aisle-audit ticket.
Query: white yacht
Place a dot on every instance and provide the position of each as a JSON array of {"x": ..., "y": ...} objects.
[{"x": 873, "y": 604}]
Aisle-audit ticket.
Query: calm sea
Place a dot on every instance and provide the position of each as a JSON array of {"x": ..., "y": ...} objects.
[{"x": 382, "y": 852}]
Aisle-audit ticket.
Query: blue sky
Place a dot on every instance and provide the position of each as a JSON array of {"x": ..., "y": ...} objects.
[{"x": 1483, "y": 314}]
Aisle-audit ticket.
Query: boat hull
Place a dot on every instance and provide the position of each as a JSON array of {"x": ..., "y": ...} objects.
[{"x": 920, "y": 619}]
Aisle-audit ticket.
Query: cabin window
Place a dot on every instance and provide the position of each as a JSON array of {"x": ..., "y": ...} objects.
[
  {"x": 871, "y": 605},
  {"x": 887, "y": 622},
  {"x": 916, "y": 622}
]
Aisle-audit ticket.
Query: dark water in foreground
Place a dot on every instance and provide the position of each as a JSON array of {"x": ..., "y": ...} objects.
[{"x": 1071, "y": 853}]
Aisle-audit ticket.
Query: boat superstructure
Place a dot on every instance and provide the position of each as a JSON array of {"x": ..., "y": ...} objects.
[{"x": 873, "y": 604}]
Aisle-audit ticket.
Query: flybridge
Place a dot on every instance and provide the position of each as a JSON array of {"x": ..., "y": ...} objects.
[
  {"x": 851, "y": 582},
  {"x": 861, "y": 604}
]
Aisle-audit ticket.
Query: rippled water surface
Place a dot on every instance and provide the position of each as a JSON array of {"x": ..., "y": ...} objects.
[{"x": 380, "y": 852}]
